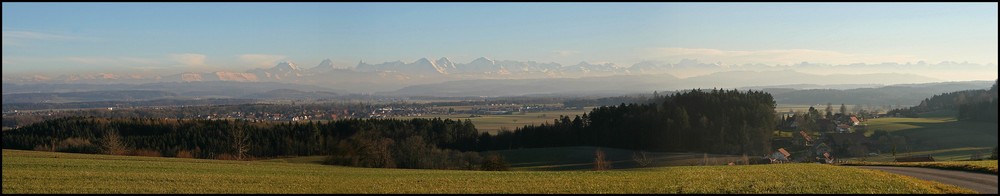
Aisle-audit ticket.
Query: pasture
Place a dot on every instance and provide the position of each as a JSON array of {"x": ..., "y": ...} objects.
[
  {"x": 47, "y": 172},
  {"x": 938, "y": 134}
]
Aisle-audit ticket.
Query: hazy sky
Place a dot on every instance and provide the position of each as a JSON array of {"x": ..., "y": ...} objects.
[{"x": 174, "y": 37}]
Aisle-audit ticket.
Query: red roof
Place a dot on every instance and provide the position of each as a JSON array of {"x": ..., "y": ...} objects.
[
  {"x": 782, "y": 150},
  {"x": 854, "y": 119},
  {"x": 804, "y": 135}
]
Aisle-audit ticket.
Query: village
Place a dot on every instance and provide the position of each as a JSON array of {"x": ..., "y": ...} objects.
[{"x": 832, "y": 137}]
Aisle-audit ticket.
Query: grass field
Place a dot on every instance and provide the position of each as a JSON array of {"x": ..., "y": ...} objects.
[
  {"x": 939, "y": 135},
  {"x": 46, "y": 172},
  {"x": 582, "y": 158},
  {"x": 797, "y": 107},
  {"x": 493, "y": 123},
  {"x": 989, "y": 167}
]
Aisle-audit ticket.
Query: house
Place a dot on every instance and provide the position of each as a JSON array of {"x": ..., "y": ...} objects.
[
  {"x": 803, "y": 139},
  {"x": 779, "y": 156},
  {"x": 822, "y": 149},
  {"x": 854, "y": 121},
  {"x": 918, "y": 158}
]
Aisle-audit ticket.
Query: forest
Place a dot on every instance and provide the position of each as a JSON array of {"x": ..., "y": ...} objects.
[
  {"x": 716, "y": 121},
  {"x": 972, "y": 105}
]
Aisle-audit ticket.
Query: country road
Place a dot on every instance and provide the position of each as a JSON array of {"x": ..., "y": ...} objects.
[{"x": 982, "y": 183}]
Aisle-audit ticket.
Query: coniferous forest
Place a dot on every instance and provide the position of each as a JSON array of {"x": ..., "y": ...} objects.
[{"x": 716, "y": 121}]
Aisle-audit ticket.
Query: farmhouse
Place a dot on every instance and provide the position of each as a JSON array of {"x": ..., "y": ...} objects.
[
  {"x": 779, "y": 156},
  {"x": 803, "y": 138}
]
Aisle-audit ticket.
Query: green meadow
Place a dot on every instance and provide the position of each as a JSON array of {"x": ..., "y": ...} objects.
[{"x": 938, "y": 134}]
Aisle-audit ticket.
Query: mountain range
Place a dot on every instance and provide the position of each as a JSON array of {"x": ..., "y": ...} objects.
[{"x": 398, "y": 77}]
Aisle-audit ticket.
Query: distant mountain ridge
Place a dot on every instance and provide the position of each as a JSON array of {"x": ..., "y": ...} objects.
[
  {"x": 395, "y": 75},
  {"x": 638, "y": 83}
]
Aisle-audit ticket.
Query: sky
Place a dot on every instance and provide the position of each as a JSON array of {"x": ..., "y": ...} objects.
[{"x": 162, "y": 38}]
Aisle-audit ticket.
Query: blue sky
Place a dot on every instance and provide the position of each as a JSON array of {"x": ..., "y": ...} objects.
[{"x": 175, "y": 37}]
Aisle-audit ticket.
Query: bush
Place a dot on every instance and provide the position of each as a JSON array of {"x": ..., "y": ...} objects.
[
  {"x": 601, "y": 161},
  {"x": 184, "y": 154},
  {"x": 412, "y": 152},
  {"x": 225, "y": 156},
  {"x": 78, "y": 145},
  {"x": 145, "y": 153},
  {"x": 994, "y": 157},
  {"x": 494, "y": 162}
]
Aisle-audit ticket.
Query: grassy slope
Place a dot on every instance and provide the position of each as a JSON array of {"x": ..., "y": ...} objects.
[
  {"x": 582, "y": 158},
  {"x": 989, "y": 167},
  {"x": 940, "y": 135},
  {"x": 46, "y": 172}
]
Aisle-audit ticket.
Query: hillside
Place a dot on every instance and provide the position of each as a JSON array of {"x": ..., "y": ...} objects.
[
  {"x": 945, "y": 138},
  {"x": 581, "y": 158},
  {"x": 46, "y": 172},
  {"x": 894, "y": 94},
  {"x": 124, "y": 95}
]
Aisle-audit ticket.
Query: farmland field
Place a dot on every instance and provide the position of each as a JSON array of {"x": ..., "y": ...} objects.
[
  {"x": 493, "y": 123},
  {"x": 47, "y": 172},
  {"x": 939, "y": 135},
  {"x": 582, "y": 158}
]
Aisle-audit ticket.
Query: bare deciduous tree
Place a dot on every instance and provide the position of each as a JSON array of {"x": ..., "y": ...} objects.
[
  {"x": 241, "y": 143},
  {"x": 600, "y": 161},
  {"x": 113, "y": 143},
  {"x": 641, "y": 158}
]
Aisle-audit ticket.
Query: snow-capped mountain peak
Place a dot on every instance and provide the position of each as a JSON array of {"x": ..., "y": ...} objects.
[{"x": 286, "y": 66}]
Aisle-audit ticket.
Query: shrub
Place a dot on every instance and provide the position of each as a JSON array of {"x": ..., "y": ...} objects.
[
  {"x": 225, "y": 156},
  {"x": 601, "y": 161},
  {"x": 184, "y": 154},
  {"x": 78, "y": 145},
  {"x": 494, "y": 162},
  {"x": 145, "y": 153},
  {"x": 641, "y": 159},
  {"x": 994, "y": 157}
]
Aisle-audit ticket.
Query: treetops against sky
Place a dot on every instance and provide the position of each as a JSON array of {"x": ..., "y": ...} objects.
[{"x": 150, "y": 38}]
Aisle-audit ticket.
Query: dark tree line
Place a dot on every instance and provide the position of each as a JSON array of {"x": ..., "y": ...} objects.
[
  {"x": 972, "y": 105},
  {"x": 983, "y": 109},
  {"x": 211, "y": 138},
  {"x": 608, "y": 101},
  {"x": 716, "y": 121}
]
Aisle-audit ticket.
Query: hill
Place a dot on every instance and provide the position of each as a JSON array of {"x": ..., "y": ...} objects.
[
  {"x": 123, "y": 95},
  {"x": 47, "y": 172},
  {"x": 894, "y": 94},
  {"x": 945, "y": 138},
  {"x": 291, "y": 94}
]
